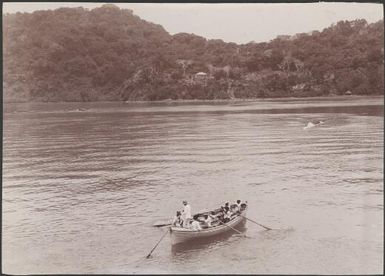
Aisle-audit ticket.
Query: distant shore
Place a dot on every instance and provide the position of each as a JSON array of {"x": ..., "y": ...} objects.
[{"x": 341, "y": 97}]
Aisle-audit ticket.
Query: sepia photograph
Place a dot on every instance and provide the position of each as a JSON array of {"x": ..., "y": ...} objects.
[{"x": 192, "y": 138}]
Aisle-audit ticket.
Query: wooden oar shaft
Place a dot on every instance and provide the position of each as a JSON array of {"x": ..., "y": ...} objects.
[
  {"x": 239, "y": 232},
  {"x": 162, "y": 224},
  {"x": 149, "y": 254},
  {"x": 267, "y": 228}
]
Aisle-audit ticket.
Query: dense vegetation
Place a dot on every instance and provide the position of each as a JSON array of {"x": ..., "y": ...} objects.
[{"x": 75, "y": 54}]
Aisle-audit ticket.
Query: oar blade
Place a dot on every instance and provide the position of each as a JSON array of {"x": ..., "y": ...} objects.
[
  {"x": 161, "y": 224},
  {"x": 152, "y": 250}
]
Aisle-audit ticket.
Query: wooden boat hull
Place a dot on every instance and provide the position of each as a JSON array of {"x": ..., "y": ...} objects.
[{"x": 179, "y": 235}]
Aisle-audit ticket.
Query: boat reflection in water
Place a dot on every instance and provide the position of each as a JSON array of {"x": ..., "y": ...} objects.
[{"x": 206, "y": 242}]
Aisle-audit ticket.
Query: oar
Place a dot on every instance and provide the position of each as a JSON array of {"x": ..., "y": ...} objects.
[
  {"x": 161, "y": 224},
  {"x": 149, "y": 254},
  {"x": 239, "y": 232},
  {"x": 267, "y": 228}
]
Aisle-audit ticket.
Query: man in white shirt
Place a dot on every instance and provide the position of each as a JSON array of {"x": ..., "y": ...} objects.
[
  {"x": 195, "y": 225},
  {"x": 186, "y": 214}
]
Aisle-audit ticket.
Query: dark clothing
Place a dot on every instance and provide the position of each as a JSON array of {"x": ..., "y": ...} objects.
[{"x": 225, "y": 220}]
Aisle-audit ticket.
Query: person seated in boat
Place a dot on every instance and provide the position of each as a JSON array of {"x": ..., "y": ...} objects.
[
  {"x": 215, "y": 218},
  {"x": 234, "y": 209},
  {"x": 208, "y": 220},
  {"x": 195, "y": 225},
  {"x": 220, "y": 217},
  {"x": 178, "y": 221},
  {"x": 237, "y": 207},
  {"x": 239, "y": 204},
  {"x": 226, "y": 205},
  {"x": 243, "y": 206},
  {"x": 224, "y": 209},
  {"x": 227, "y": 215},
  {"x": 221, "y": 212},
  {"x": 186, "y": 214}
]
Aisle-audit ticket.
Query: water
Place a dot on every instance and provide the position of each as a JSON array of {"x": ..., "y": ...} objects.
[{"x": 84, "y": 182}]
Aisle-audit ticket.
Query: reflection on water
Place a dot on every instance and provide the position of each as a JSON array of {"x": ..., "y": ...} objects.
[{"x": 84, "y": 182}]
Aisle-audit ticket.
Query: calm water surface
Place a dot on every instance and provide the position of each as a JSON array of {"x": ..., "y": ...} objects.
[{"x": 84, "y": 182}]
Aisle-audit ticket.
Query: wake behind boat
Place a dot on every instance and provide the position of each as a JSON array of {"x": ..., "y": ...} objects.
[{"x": 182, "y": 234}]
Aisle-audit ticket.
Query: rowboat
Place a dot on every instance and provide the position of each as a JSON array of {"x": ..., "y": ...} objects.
[{"x": 180, "y": 235}]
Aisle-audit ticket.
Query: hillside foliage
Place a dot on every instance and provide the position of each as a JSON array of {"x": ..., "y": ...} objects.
[{"x": 110, "y": 54}]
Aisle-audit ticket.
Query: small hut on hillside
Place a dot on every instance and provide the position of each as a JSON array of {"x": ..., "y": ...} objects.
[{"x": 200, "y": 77}]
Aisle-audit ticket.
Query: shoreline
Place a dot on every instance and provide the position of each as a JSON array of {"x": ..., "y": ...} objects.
[
  {"x": 342, "y": 97},
  {"x": 337, "y": 97}
]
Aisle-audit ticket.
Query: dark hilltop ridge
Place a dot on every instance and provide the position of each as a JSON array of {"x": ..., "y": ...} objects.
[{"x": 110, "y": 54}]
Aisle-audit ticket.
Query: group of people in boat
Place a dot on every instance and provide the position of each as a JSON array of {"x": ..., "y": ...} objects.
[{"x": 198, "y": 222}]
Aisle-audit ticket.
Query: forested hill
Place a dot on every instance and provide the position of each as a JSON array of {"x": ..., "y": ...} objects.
[{"x": 107, "y": 53}]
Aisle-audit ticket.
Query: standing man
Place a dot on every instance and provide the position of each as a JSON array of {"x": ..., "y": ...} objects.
[{"x": 186, "y": 214}]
